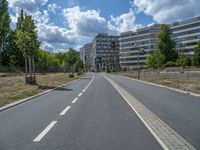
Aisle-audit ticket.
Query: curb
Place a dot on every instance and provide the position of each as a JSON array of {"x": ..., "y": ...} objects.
[
  {"x": 162, "y": 86},
  {"x": 35, "y": 96}
]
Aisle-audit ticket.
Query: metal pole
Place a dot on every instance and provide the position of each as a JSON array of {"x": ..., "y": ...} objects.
[{"x": 138, "y": 65}]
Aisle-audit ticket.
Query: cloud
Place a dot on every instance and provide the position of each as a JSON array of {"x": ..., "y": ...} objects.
[
  {"x": 85, "y": 22},
  {"x": 48, "y": 33},
  {"x": 47, "y": 46},
  {"x": 52, "y": 7},
  {"x": 88, "y": 23},
  {"x": 55, "y": 34},
  {"x": 43, "y": 2},
  {"x": 27, "y": 5},
  {"x": 168, "y": 11},
  {"x": 125, "y": 22}
]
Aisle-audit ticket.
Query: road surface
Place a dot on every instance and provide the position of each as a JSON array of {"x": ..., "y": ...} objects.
[{"x": 103, "y": 112}]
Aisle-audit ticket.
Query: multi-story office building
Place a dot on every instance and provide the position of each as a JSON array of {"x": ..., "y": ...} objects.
[
  {"x": 186, "y": 34},
  {"x": 105, "y": 52},
  {"x": 86, "y": 55},
  {"x": 138, "y": 45}
]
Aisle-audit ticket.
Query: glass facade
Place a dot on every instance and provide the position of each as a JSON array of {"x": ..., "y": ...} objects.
[
  {"x": 186, "y": 34},
  {"x": 145, "y": 39},
  {"x": 105, "y": 52}
]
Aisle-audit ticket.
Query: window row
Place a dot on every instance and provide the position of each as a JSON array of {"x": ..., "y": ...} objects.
[
  {"x": 187, "y": 26},
  {"x": 132, "y": 59},
  {"x": 187, "y": 38},
  {"x": 186, "y": 44},
  {"x": 186, "y": 32},
  {"x": 139, "y": 38}
]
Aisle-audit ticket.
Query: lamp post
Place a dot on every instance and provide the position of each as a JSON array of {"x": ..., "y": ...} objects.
[
  {"x": 138, "y": 60},
  {"x": 138, "y": 64}
]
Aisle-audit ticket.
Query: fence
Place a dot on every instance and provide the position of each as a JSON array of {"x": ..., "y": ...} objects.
[
  {"x": 186, "y": 73},
  {"x": 16, "y": 70}
]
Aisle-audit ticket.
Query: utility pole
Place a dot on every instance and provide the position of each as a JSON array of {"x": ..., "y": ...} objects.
[{"x": 138, "y": 59}]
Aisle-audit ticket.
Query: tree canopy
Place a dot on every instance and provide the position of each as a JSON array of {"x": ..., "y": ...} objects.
[
  {"x": 166, "y": 45},
  {"x": 196, "y": 56}
]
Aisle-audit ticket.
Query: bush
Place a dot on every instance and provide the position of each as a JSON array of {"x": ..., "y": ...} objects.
[
  {"x": 188, "y": 61},
  {"x": 108, "y": 70},
  {"x": 79, "y": 73},
  {"x": 124, "y": 69},
  {"x": 71, "y": 75},
  {"x": 170, "y": 64}
]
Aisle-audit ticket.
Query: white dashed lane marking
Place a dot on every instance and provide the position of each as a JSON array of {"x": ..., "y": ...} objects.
[
  {"x": 65, "y": 110},
  {"x": 74, "y": 101},
  {"x": 45, "y": 131}
]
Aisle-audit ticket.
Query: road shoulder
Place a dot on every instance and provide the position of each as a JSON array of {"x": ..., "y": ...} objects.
[{"x": 158, "y": 85}]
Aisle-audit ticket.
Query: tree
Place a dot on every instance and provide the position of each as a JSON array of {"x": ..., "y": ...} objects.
[
  {"x": 8, "y": 53},
  {"x": 18, "y": 53},
  {"x": 188, "y": 61},
  {"x": 4, "y": 28},
  {"x": 79, "y": 65},
  {"x": 166, "y": 45},
  {"x": 42, "y": 63},
  {"x": 71, "y": 58},
  {"x": 181, "y": 60},
  {"x": 155, "y": 60},
  {"x": 26, "y": 40},
  {"x": 196, "y": 57}
]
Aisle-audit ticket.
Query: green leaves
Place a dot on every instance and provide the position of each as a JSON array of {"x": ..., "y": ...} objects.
[
  {"x": 196, "y": 57},
  {"x": 166, "y": 45},
  {"x": 26, "y": 35},
  {"x": 155, "y": 60},
  {"x": 72, "y": 57},
  {"x": 4, "y": 23}
]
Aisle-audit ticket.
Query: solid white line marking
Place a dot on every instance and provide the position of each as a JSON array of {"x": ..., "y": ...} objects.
[
  {"x": 74, "y": 101},
  {"x": 45, "y": 131},
  {"x": 137, "y": 107},
  {"x": 80, "y": 94},
  {"x": 83, "y": 91},
  {"x": 65, "y": 110}
]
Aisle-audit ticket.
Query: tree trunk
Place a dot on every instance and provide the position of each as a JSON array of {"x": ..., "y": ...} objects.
[
  {"x": 30, "y": 67},
  {"x": 33, "y": 64},
  {"x": 26, "y": 69}
]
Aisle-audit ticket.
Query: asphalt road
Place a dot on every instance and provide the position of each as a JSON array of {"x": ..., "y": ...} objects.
[{"x": 90, "y": 114}]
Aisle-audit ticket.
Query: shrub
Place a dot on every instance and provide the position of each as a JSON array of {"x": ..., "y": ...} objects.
[
  {"x": 170, "y": 64},
  {"x": 79, "y": 73},
  {"x": 71, "y": 75}
]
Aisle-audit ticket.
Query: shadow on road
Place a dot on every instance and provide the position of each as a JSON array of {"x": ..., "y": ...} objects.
[
  {"x": 86, "y": 78},
  {"x": 46, "y": 87}
]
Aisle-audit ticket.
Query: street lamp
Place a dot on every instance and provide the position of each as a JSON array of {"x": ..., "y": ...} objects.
[{"x": 138, "y": 60}]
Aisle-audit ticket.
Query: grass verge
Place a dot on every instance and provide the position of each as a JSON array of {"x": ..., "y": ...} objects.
[
  {"x": 13, "y": 88},
  {"x": 190, "y": 85}
]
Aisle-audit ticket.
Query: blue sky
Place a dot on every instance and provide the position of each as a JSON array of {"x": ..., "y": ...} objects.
[{"x": 71, "y": 23}]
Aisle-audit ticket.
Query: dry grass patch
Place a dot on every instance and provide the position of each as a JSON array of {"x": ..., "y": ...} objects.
[
  {"x": 13, "y": 88},
  {"x": 190, "y": 85}
]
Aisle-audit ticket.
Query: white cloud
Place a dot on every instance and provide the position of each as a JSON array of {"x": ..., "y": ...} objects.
[
  {"x": 167, "y": 11},
  {"x": 55, "y": 34},
  {"x": 52, "y": 7},
  {"x": 47, "y": 46},
  {"x": 85, "y": 22},
  {"x": 43, "y": 2},
  {"x": 125, "y": 22},
  {"x": 48, "y": 33}
]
